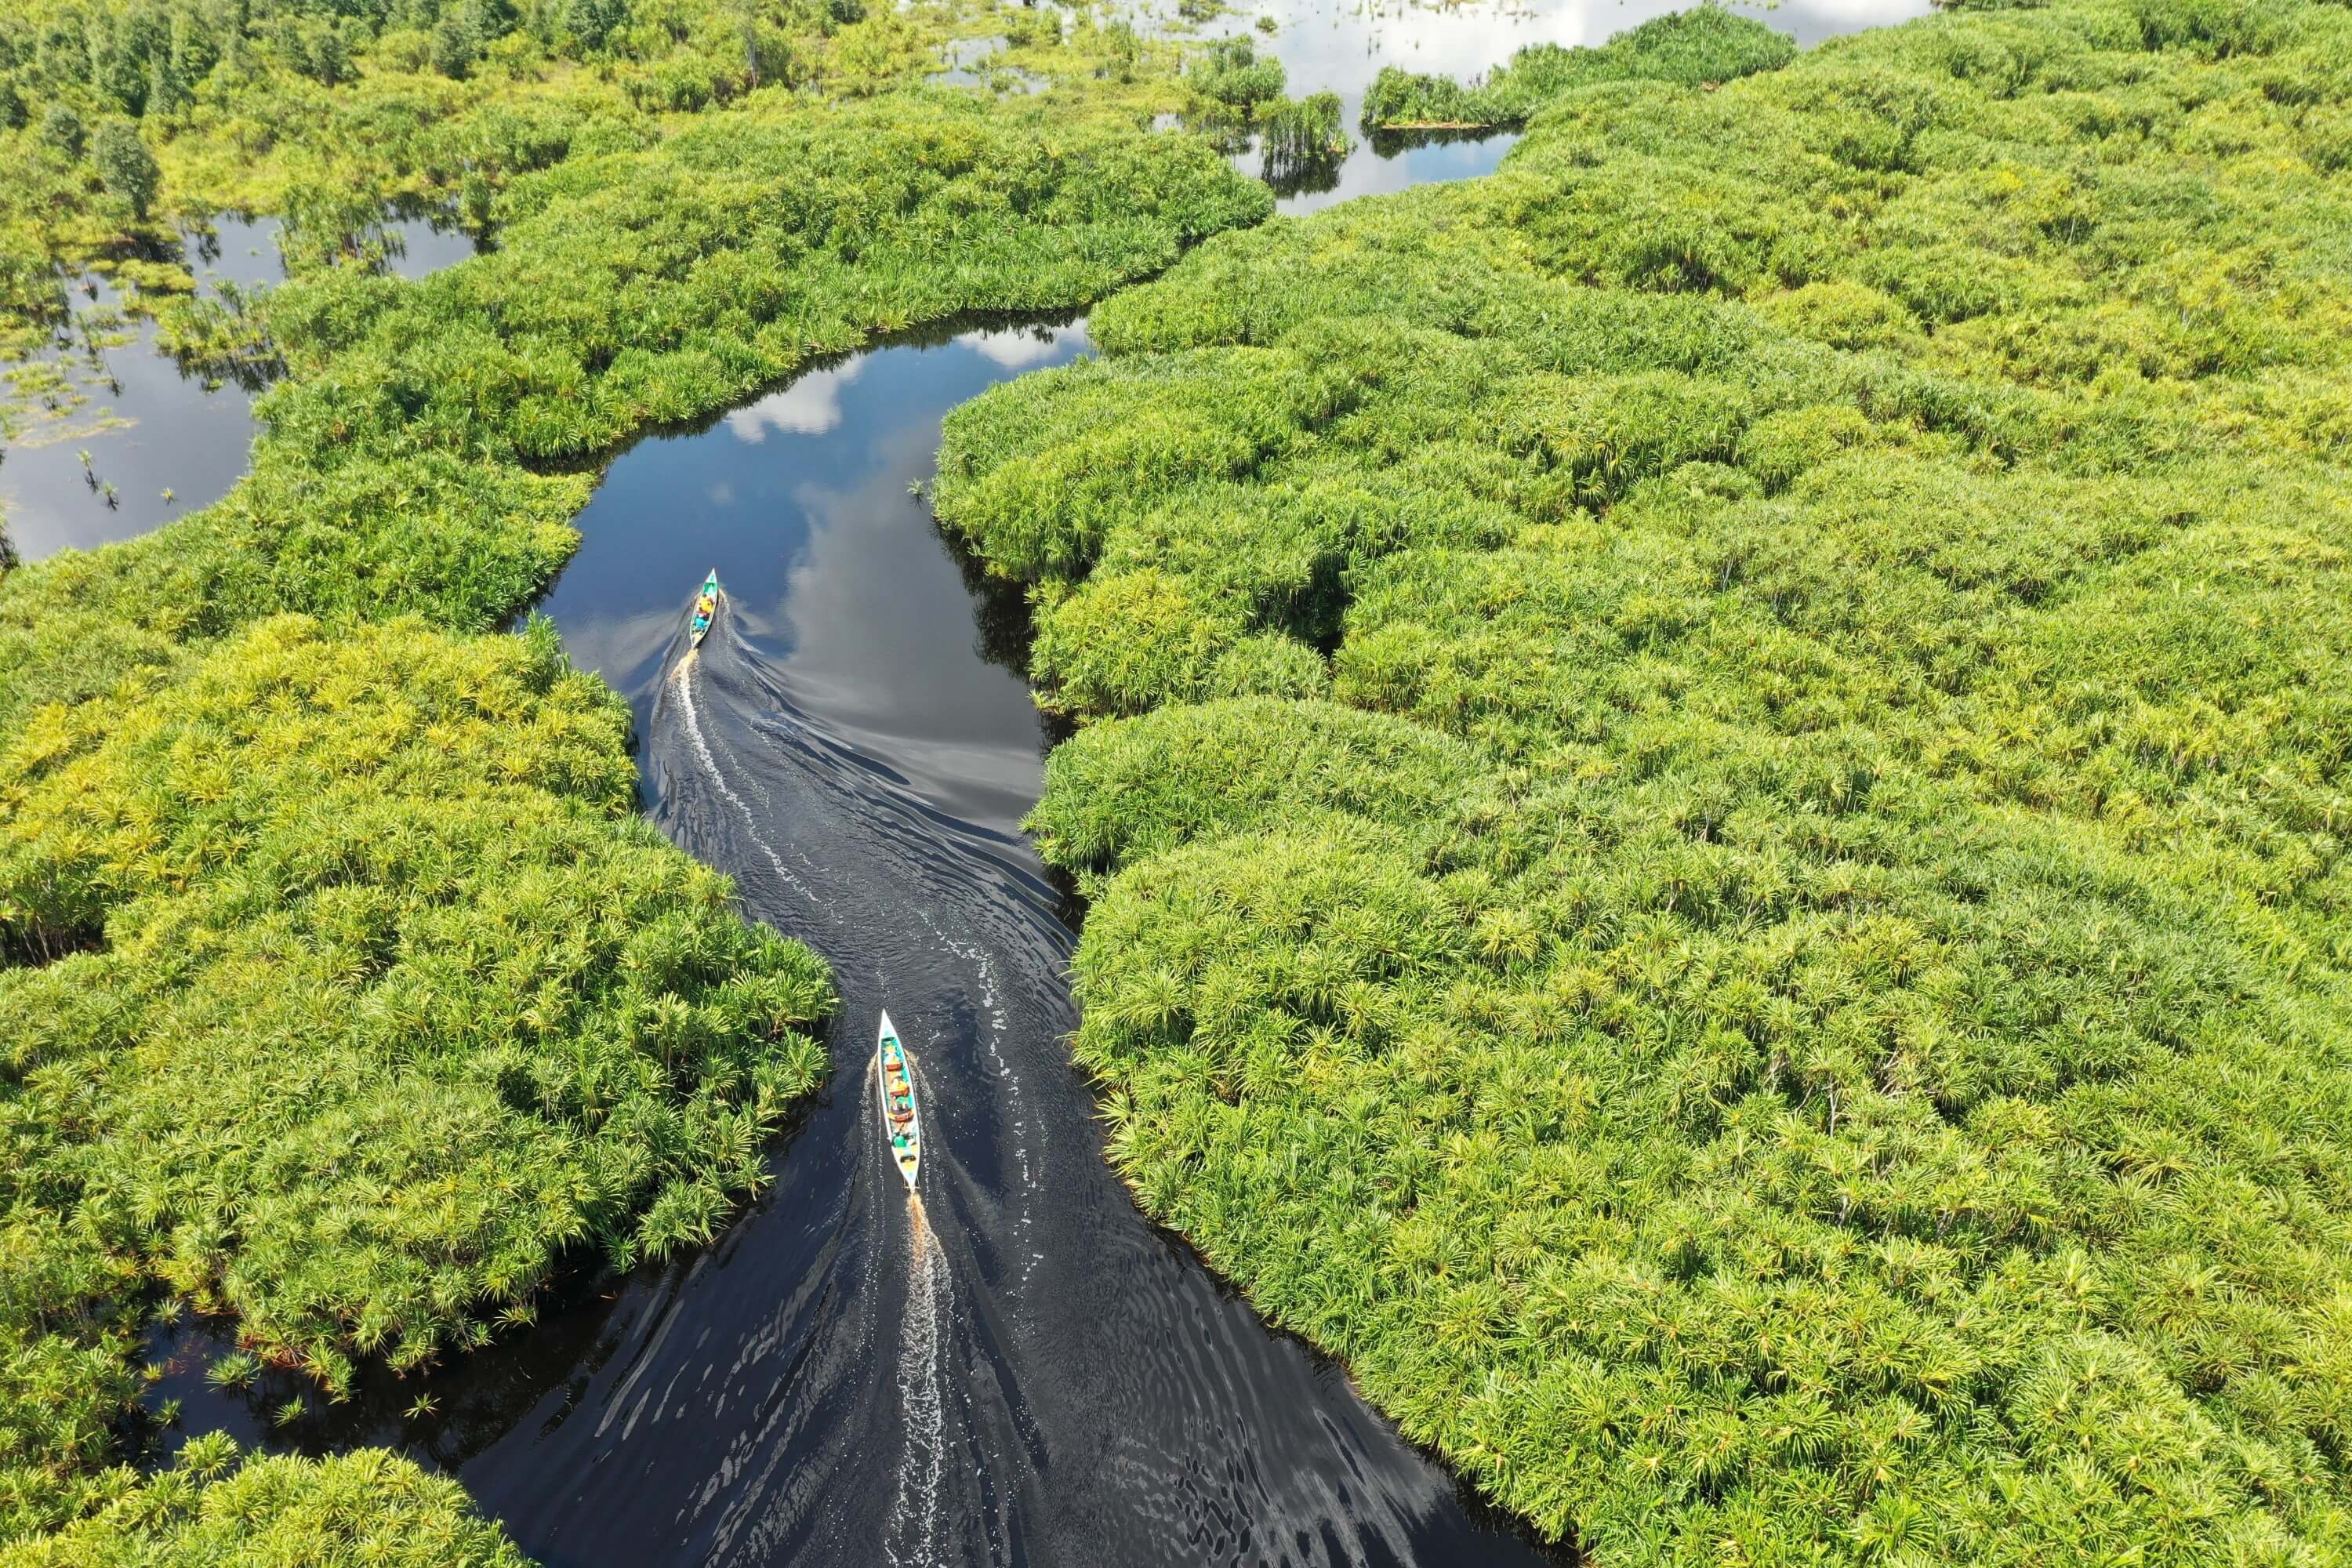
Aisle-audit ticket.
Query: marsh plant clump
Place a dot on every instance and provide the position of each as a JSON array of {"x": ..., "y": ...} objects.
[
  {"x": 1237, "y": 95},
  {"x": 1301, "y": 134},
  {"x": 1234, "y": 75},
  {"x": 1713, "y": 783},
  {"x": 1697, "y": 47},
  {"x": 343, "y": 991}
]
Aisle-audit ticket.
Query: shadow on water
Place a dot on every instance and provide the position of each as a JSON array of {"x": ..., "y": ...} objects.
[{"x": 149, "y": 423}]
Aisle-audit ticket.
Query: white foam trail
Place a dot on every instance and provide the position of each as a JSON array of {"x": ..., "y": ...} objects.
[
  {"x": 711, "y": 765},
  {"x": 912, "y": 1535}
]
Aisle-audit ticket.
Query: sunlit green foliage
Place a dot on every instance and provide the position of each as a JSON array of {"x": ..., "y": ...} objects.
[
  {"x": 339, "y": 986},
  {"x": 396, "y": 996},
  {"x": 1716, "y": 808},
  {"x": 262, "y": 105},
  {"x": 323, "y": 114},
  {"x": 207, "y": 1510},
  {"x": 1693, "y": 49},
  {"x": 395, "y": 999},
  {"x": 68, "y": 1320}
]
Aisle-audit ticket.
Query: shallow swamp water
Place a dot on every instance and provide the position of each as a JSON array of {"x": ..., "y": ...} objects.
[{"x": 149, "y": 423}]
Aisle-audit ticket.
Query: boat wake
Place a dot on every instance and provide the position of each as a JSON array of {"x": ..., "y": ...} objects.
[
  {"x": 1013, "y": 1367},
  {"x": 683, "y": 684},
  {"x": 910, "y": 1536}
]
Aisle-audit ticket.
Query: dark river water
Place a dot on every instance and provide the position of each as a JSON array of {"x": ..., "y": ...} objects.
[{"x": 1015, "y": 1368}]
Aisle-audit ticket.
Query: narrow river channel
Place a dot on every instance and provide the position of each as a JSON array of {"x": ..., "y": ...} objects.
[{"x": 1018, "y": 1368}]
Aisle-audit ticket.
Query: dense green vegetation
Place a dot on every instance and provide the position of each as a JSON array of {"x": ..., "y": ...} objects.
[
  {"x": 357, "y": 993},
  {"x": 341, "y": 989},
  {"x": 1697, "y": 47},
  {"x": 395, "y": 999},
  {"x": 208, "y": 1511},
  {"x": 1716, "y": 795},
  {"x": 396, "y": 995},
  {"x": 325, "y": 113}
]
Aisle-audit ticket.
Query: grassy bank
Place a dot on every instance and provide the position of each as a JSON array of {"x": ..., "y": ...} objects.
[
  {"x": 343, "y": 989},
  {"x": 1715, "y": 792}
]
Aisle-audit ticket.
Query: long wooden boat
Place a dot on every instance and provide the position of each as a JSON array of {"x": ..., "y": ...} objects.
[
  {"x": 706, "y": 608},
  {"x": 899, "y": 1123}
]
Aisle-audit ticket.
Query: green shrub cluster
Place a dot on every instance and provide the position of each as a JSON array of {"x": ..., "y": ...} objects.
[
  {"x": 340, "y": 987},
  {"x": 326, "y": 114},
  {"x": 1715, "y": 789},
  {"x": 1231, "y": 72},
  {"x": 391, "y": 995},
  {"x": 365, "y": 994},
  {"x": 1699, "y": 48},
  {"x": 209, "y": 1511}
]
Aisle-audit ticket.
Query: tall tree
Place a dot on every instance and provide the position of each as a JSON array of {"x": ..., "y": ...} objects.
[
  {"x": 126, "y": 166},
  {"x": 62, "y": 129}
]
